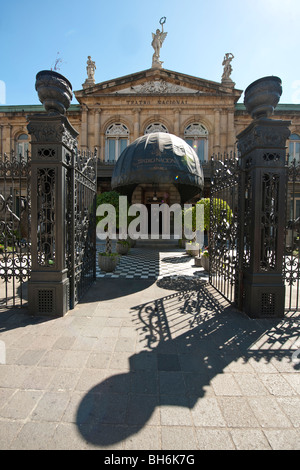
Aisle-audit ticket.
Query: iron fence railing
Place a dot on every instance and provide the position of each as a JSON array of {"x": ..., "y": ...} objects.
[
  {"x": 223, "y": 230},
  {"x": 291, "y": 261},
  {"x": 15, "y": 213},
  {"x": 81, "y": 223}
]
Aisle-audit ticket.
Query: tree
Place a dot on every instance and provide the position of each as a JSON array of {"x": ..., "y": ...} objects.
[
  {"x": 113, "y": 199},
  {"x": 221, "y": 213}
]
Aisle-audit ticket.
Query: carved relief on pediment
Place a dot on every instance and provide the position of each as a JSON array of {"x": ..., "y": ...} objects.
[{"x": 157, "y": 87}]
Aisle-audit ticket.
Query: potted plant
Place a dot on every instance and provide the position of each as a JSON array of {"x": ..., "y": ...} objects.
[
  {"x": 132, "y": 242},
  {"x": 220, "y": 209},
  {"x": 205, "y": 260},
  {"x": 123, "y": 247},
  {"x": 108, "y": 261},
  {"x": 192, "y": 248}
]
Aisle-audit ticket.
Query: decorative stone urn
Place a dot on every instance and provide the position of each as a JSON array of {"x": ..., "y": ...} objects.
[
  {"x": 108, "y": 263},
  {"x": 192, "y": 249},
  {"x": 123, "y": 247},
  {"x": 54, "y": 91},
  {"x": 262, "y": 96},
  {"x": 205, "y": 262},
  {"x": 132, "y": 242}
]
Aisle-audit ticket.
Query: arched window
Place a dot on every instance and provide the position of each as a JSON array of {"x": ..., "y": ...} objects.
[
  {"x": 155, "y": 127},
  {"x": 196, "y": 135},
  {"x": 294, "y": 147},
  {"x": 116, "y": 140},
  {"x": 22, "y": 146}
]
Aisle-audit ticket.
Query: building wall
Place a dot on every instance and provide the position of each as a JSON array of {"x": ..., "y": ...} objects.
[
  {"x": 208, "y": 103},
  {"x": 223, "y": 124},
  {"x": 174, "y": 113}
]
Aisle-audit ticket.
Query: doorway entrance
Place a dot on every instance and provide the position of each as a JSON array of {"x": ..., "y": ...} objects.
[{"x": 155, "y": 196}]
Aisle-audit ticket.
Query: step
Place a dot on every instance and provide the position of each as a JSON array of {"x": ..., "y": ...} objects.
[{"x": 160, "y": 243}]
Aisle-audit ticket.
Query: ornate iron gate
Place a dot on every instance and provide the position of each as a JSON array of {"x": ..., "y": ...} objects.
[
  {"x": 15, "y": 259},
  {"x": 81, "y": 223},
  {"x": 224, "y": 223},
  {"x": 291, "y": 265},
  {"x": 231, "y": 231}
]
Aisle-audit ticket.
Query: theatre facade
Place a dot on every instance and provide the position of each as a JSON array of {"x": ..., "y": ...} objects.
[{"x": 111, "y": 115}]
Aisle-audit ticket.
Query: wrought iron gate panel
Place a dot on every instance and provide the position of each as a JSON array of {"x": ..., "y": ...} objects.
[
  {"x": 81, "y": 222},
  {"x": 224, "y": 225},
  {"x": 291, "y": 265},
  {"x": 15, "y": 206}
]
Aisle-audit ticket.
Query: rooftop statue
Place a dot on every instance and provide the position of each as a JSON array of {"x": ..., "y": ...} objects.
[
  {"x": 90, "y": 69},
  {"x": 157, "y": 42},
  {"x": 227, "y": 67}
]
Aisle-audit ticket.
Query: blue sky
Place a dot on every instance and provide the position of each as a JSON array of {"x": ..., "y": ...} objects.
[{"x": 263, "y": 35}]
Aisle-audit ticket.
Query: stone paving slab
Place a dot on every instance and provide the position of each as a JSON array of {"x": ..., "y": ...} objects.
[{"x": 149, "y": 365}]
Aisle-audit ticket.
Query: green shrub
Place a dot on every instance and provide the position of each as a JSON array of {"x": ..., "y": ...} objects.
[
  {"x": 105, "y": 253},
  {"x": 123, "y": 242}
]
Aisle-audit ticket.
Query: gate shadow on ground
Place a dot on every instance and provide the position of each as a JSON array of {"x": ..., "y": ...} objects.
[
  {"x": 188, "y": 338},
  {"x": 13, "y": 293},
  {"x": 112, "y": 288},
  {"x": 177, "y": 259}
]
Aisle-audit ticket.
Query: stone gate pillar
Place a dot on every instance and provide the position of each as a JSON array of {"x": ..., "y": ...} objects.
[
  {"x": 53, "y": 141},
  {"x": 262, "y": 147}
]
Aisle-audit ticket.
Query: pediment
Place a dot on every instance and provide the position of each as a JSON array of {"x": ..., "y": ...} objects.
[{"x": 157, "y": 82}]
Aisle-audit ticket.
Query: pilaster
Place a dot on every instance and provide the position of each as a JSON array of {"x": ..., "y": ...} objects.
[
  {"x": 84, "y": 127},
  {"x": 97, "y": 128},
  {"x": 217, "y": 131},
  {"x": 136, "y": 124},
  {"x": 177, "y": 113}
]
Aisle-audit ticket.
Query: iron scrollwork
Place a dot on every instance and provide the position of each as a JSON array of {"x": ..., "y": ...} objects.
[
  {"x": 81, "y": 223},
  {"x": 15, "y": 213},
  {"x": 269, "y": 221},
  {"x": 291, "y": 262},
  {"x": 224, "y": 224},
  {"x": 46, "y": 217}
]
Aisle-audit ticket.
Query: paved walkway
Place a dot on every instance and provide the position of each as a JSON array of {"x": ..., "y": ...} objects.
[{"x": 149, "y": 364}]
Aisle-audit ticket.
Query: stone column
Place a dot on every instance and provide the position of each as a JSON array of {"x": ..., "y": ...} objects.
[
  {"x": 102, "y": 145},
  {"x": 1, "y": 139},
  {"x": 217, "y": 132},
  {"x": 136, "y": 131},
  {"x": 223, "y": 129},
  {"x": 97, "y": 128},
  {"x": 53, "y": 141},
  {"x": 230, "y": 131},
  {"x": 11, "y": 142},
  {"x": 84, "y": 127},
  {"x": 8, "y": 146},
  {"x": 177, "y": 121},
  {"x": 262, "y": 146}
]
